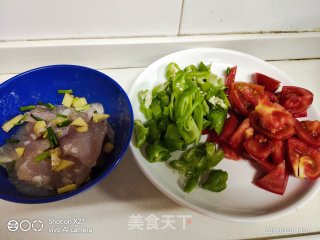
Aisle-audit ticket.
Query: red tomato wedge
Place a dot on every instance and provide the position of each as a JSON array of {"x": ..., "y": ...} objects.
[
  {"x": 243, "y": 132},
  {"x": 275, "y": 181},
  {"x": 229, "y": 127},
  {"x": 272, "y": 97},
  {"x": 229, "y": 152},
  {"x": 205, "y": 131},
  {"x": 295, "y": 99},
  {"x": 230, "y": 77},
  {"x": 269, "y": 83},
  {"x": 301, "y": 114},
  {"x": 214, "y": 137},
  {"x": 266, "y": 165},
  {"x": 244, "y": 97},
  {"x": 278, "y": 152},
  {"x": 304, "y": 160},
  {"x": 272, "y": 120},
  {"x": 309, "y": 132},
  {"x": 258, "y": 147}
]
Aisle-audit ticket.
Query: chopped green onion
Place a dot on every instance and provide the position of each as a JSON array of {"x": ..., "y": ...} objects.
[
  {"x": 12, "y": 140},
  {"x": 50, "y": 106},
  {"x": 27, "y": 108},
  {"x": 61, "y": 115},
  {"x": 64, "y": 123},
  {"x": 85, "y": 107},
  {"x": 65, "y": 91},
  {"x": 52, "y": 138},
  {"x": 36, "y": 118},
  {"x": 10, "y": 166},
  {"x": 42, "y": 156}
]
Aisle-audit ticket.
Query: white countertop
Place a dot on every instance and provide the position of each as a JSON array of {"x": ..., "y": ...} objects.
[{"x": 109, "y": 208}]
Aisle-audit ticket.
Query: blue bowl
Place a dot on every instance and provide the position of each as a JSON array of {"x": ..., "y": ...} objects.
[{"x": 42, "y": 84}]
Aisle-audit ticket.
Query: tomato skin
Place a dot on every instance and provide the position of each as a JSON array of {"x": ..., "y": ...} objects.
[
  {"x": 244, "y": 97},
  {"x": 304, "y": 160},
  {"x": 258, "y": 147},
  {"x": 272, "y": 97},
  {"x": 230, "y": 77},
  {"x": 295, "y": 99},
  {"x": 278, "y": 152},
  {"x": 229, "y": 127},
  {"x": 205, "y": 131},
  {"x": 269, "y": 83},
  {"x": 266, "y": 165},
  {"x": 235, "y": 101},
  {"x": 295, "y": 146},
  {"x": 243, "y": 132},
  {"x": 275, "y": 181},
  {"x": 309, "y": 131},
  {"x": 272, "y": 120},
  {"x": 301, "y": 114},
  {"x": 229, "y": 152}
]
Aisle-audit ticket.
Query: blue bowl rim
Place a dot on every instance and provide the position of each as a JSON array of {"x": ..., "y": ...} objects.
[{"x": 106, "y": 172}]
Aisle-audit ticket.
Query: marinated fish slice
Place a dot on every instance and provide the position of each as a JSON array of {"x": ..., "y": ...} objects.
[
  {"x": 7, "y": 153},
  {"x": 110, "y": 134},
  {"x": 24, "y": 135},
  {"x": 28, "y": 169},
  {"x": 72, "y": 114},
  {"x": 77, "y": 173},
  {"x": 43, "y": 113},
  {"x": 62, "y": 131},
  {"x": 29, "y": 188},
  {"x": 85, "y": 146}
]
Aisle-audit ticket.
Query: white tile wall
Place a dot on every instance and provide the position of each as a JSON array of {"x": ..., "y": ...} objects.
[
  {"x": 60, "y": 19},
  {"x": 45, "y": 19},
  {"x": 216, "y": 16}
]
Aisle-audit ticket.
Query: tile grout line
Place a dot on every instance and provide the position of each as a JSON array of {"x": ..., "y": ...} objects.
[
  {"x": 161, "y": 36},
  {"x": 181, "y": 15}
]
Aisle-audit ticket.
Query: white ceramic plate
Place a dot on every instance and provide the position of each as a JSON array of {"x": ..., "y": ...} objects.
[{"x": 242, "y": 200}]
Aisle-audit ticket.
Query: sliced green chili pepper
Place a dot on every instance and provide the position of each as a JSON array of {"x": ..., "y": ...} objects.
[
  {"x": 191, "y": 183},
  {"x": 145, "y": 100},
  {"x": 217, "y": 181},
  {"x": 141, "y": 133},
  {"x": 156, "y": 152},
  {"x": 154, "y": 131}
]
